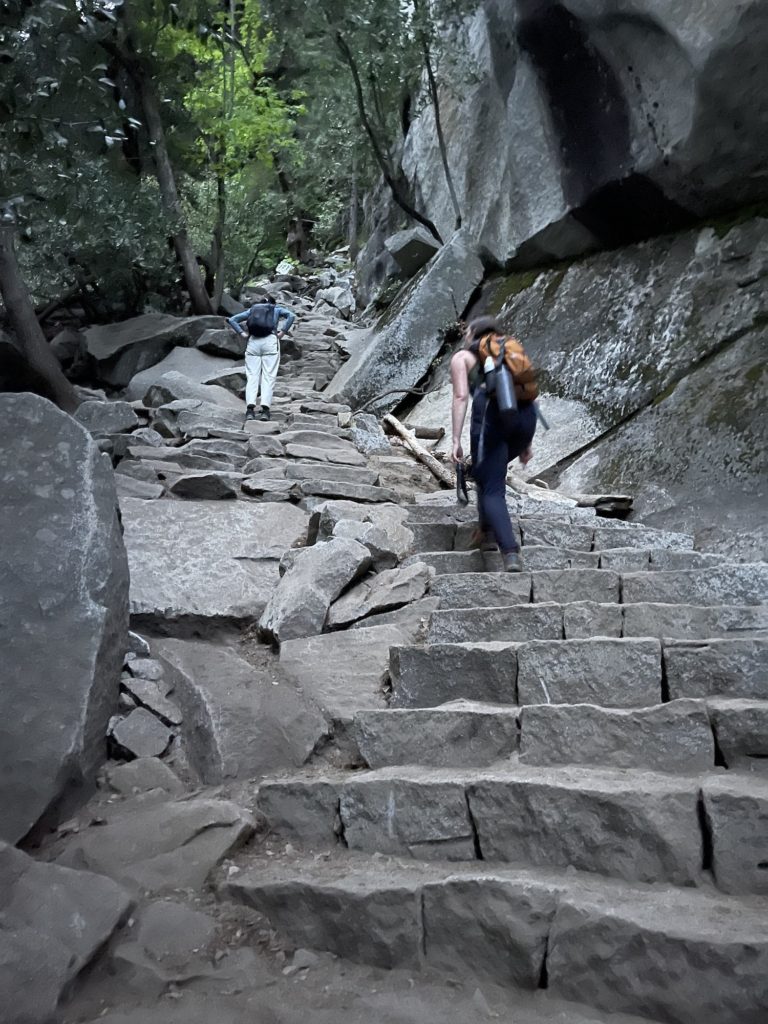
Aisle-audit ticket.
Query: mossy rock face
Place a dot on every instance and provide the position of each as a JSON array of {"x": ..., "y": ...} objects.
[
  {"x": 618, "y": 329},
  {"x": 704, "y": 441}
]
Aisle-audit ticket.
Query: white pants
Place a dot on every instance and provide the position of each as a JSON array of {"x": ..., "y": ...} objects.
[{"x": 262, "y": 361}]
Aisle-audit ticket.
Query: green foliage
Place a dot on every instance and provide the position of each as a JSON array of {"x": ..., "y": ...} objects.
[
  {"x": 238, "y": 116},
  {"x": 259, "y": 112}
]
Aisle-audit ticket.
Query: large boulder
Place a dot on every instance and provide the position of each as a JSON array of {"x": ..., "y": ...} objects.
[
  {"x": 123, "y": 350},
  {"x": 222, "y": 341},
  {"x": 63, "y": 609},
  {"x": 412, "y": 332},
  {"x": 54, "y": 921},
  {"x": 609, "y": 123},
  {"x": 187, "y": 414},
  {"x": 316, "y": 576},
  {"x": 339, "y": 297},
  {"x": 107, "y": 417},
  {"x": 174, "y": 386},
  {"x": 193, "y": 364},
  {"x": 711, "y": 477},
  {"x": 412, "y": 249}
]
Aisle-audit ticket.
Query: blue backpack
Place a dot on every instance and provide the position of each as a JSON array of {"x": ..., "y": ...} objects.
[{"x": 261, "y": 320}]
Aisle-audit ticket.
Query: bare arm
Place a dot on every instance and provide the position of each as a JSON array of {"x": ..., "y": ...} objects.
[{"x": 461, "y": 365}]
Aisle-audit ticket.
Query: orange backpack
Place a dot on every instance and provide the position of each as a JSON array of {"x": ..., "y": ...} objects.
[{"x": 516, "y": 361}]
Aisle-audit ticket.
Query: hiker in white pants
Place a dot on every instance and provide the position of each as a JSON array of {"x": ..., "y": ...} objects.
[
  {"x": 261, "y": 326},
  {"x": 262, "y": 361}
]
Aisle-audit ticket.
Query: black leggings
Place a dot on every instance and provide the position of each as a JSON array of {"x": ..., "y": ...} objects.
[{"x": 493, "y": 448}]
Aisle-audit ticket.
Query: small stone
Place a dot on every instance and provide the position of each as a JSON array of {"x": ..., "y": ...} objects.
[
  {"x": 125, "y": 702},
  {"x": 206, "y": 486},
  {"x": 146, "y": 668},
  {"x": 304, "y": 959},
  {"x": 143, "y": 775},
  {"x": 107, "y": 417},
  {"x": 480, "y": 1003},
  {"x": 147, "y": 694},
  {"x": 138, "y": 645},
  {"x": 141, "y": 734}
]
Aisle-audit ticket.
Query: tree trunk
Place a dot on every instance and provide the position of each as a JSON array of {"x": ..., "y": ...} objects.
[
  {"x": 354, "y": 205},
  {"x": 217, "y": 245},
  {"x": 126, "y": 54},
  {"x": 201, "y": 304},
  {"x": 395, "y": 187},
  {"x": 29, "y": 335},
  {"x": 439, "y": 130}
]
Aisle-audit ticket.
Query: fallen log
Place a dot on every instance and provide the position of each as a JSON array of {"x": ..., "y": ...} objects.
[
  {"x": 611, "y": 504},
  {"x": 429, "y": 433},
  {"x": 418, "y": 451},
  {"x": 605, "y": 503},
  {"x": 425, "y": 433}
]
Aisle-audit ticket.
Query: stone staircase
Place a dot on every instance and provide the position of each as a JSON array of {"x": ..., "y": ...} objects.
[{"x": 568, "y": 789}]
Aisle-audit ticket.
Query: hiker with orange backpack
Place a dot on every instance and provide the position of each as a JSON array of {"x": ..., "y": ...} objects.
[{"x": 502, "y": 381}]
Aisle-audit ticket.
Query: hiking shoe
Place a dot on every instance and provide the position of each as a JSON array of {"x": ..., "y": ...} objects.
[
  {"x": 483, "y": 540},
  {"x": 264, "y": 414},
  {"x": 512, "y": 561},
  {"x": 250, "y": 413},
  {"x": 462, "y": 497}
]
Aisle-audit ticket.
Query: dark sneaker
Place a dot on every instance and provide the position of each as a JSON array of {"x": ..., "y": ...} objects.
[
  {"x": 512, "y": 561},
  {"x": 264, "y": 415},
  {"x": 483, "y": 540},
  {"x": 250, "y": 413},
  {"x": 462, "y": 497}
]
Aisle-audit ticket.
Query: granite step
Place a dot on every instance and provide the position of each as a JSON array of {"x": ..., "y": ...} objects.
[
  {"x": 717, "y": 668},
  {"x": 612, "y": 673},
  {"x": 457, "y": 562},
  {"x": 588, "y": 537},
  {"x": 461, "y": 582},
  {"x": 481, "y": 624},
  {"x": 626, "y": 672},
  {"x": 673, "y": 737},
  {"x": 655, "y": 559},
  {"x": 642, "y": 826},
  {"x": 447, "y": 537},
  {"x": 466, "y": 578},
  {"x": 741, "y": 732},
  {"x": 740, "y": 583},
  {"x": 514, "y": 927},
  {"x": 432, "y": 536},
  {"x": 497, "y": 619},
  {"x": 460, "y": 734}
]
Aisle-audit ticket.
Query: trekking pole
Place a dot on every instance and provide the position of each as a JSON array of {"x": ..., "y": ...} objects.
[
  {"x": 540, "y": 416},
  {"x": 459, "y": 321}
]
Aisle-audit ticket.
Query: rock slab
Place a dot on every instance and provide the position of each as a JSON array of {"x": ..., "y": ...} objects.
[
  {"x": 241, "y": 722},
  {"x": 63, "y": 608},
  {"x": 53, "y": 922},
  {"x": 229, "y": 563}
]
